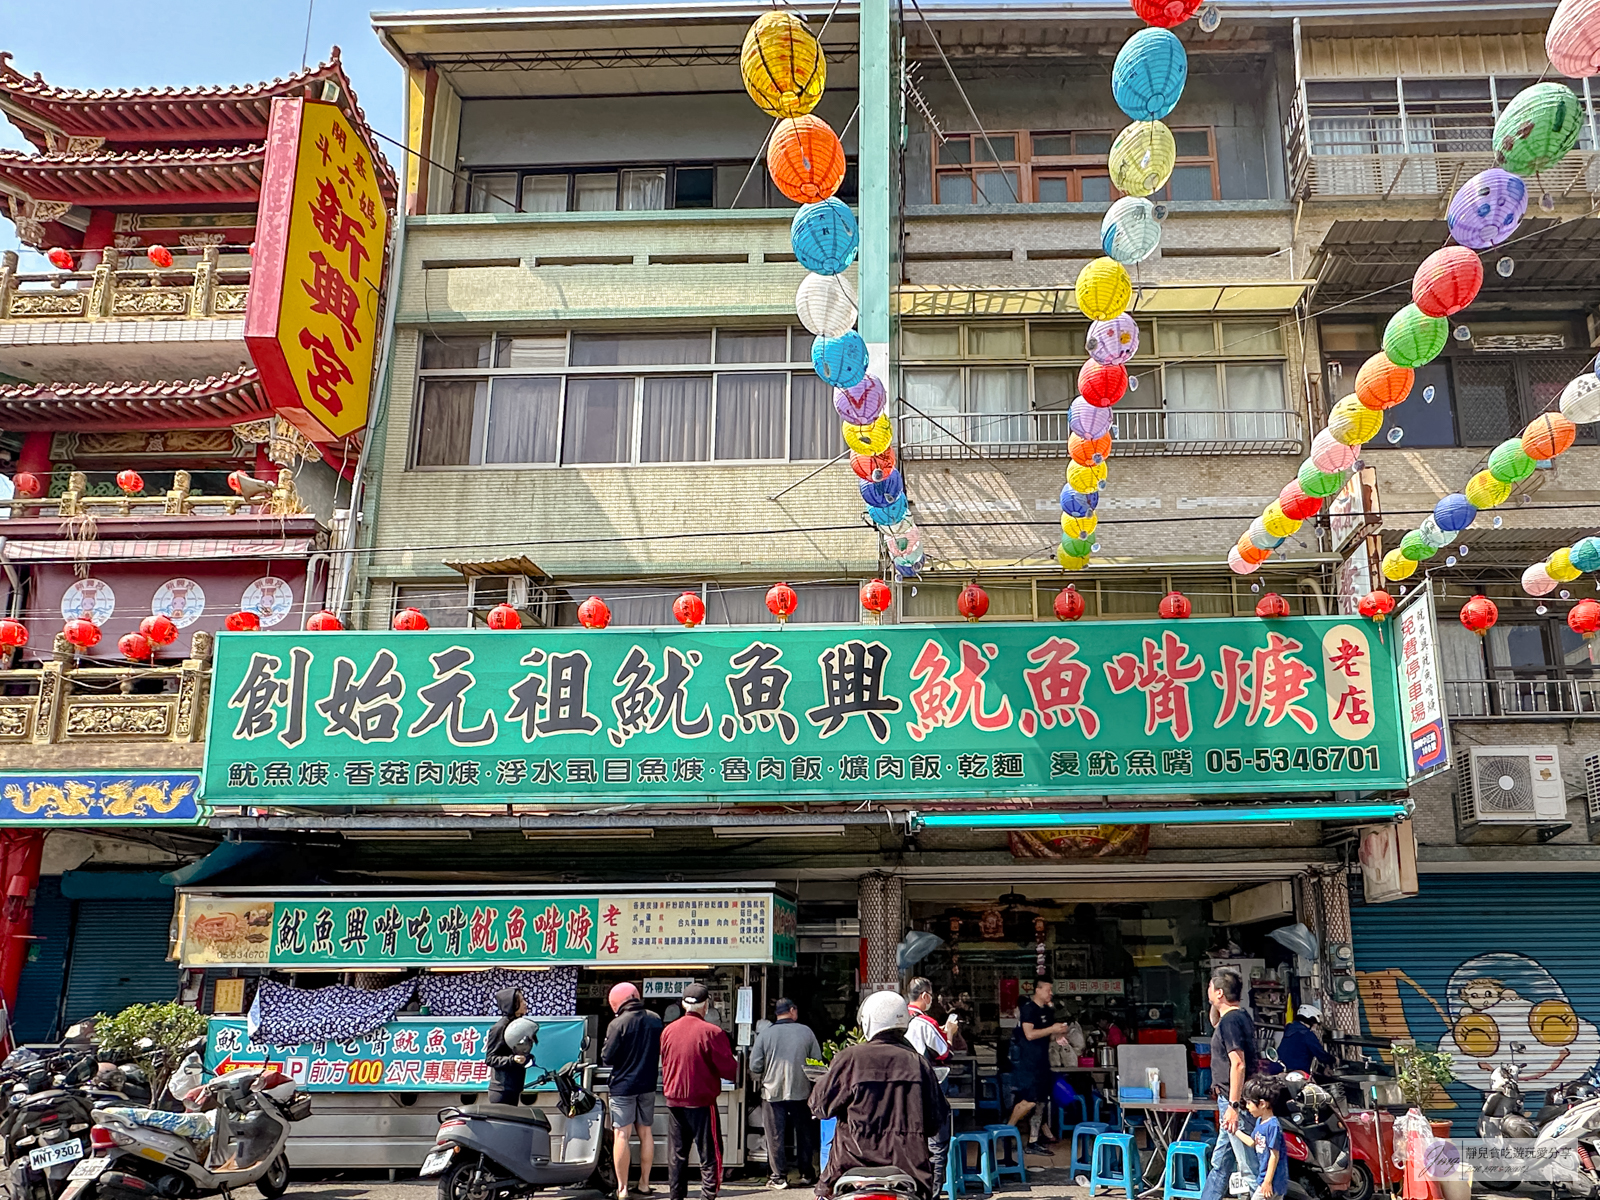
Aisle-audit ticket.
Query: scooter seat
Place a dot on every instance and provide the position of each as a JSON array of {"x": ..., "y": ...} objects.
[{"x": 506, "y": 1112}]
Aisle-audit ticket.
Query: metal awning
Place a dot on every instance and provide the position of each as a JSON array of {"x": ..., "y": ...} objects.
[
  {"x": 521, "y": 564},
  {"x": 1190, "y": 299}
]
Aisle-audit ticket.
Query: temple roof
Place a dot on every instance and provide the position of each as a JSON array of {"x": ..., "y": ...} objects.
[
  {"x": 212, "y": 403},
  {"x": 200, "y": 176}
]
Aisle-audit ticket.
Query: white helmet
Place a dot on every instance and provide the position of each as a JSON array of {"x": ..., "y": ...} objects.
[{"x": 883, "y": 1010}]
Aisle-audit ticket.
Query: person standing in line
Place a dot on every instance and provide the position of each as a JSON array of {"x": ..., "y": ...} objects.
[
  {"x": 1031, "y": 1079},
  {"x": 1233, "y": 1060},
  {"x": 508, "y": 1068},
  {"x": 695, "y": 1059},
  {"x": 932, "y": 1041},
  {"x": 633, "y": 1052},
  {"x": 778, "y": 1056}
]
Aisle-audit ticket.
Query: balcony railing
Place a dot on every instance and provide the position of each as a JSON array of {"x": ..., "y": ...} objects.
[
  {"x": 61, "y": 703},
  {"x": 1135, "y": 432},
  {"x": 209, "y": 288},
  {"x": 1522, "y": 699}
]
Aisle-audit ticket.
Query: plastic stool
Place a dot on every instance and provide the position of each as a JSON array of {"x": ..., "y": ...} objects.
[
  {"x": 1123, "y": 1173},
  {"x": 988, "y": 1094},
  {"x": 984, "y": 1174},
  {"x": 1000, "y": 1134},
  {"x": 1083, "y": 1135},
  {"x": 1173, "y": 1179}
]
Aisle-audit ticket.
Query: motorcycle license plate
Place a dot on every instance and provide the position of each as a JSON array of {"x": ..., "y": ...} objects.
[
  {"x": 436, "y": 1162},
  {"x": 89, "y": 1168},
  {"x": 54, "y": 1156}
]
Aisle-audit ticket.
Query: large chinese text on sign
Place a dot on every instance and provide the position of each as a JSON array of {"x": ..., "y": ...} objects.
[
  {"x": 312, "y": 318},
  {"x": 1123, "y": 707}
]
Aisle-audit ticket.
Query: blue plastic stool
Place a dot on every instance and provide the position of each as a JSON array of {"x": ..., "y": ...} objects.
[
  {"x": 1123, "y": 1172},
  {"x": 1174, "y": 1180},
  {"x": 988, "y": 1095},
  {"x": 1083, "y": 1136},
  {"x": 984, "y": 1173},
  {"x": 1000, "y": 1134}
]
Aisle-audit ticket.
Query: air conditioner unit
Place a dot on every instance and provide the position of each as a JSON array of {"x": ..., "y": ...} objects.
[
  {"x": 519, "y": 591},
  {"x": 1509, "y": 793},
  {"x": 1591, "y": 791}
]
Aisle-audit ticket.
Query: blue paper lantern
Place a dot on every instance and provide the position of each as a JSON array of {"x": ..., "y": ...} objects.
[
  {"x": 1586, "y": 554},
  {"x": 907, "y": 570},
  {"x": 1454, "y": 513},
  {"x": 1077, "y": 504},
  {"x": 888, "y": 514},
  {"x": 885, "y": 491},
  {"x": 825, "y": 236},
  {"x": 1148, "y": 77},
  {"x": 842, "y": 360}
]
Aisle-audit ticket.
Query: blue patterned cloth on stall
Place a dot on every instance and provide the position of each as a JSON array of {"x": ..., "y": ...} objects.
[
  {"x": 195, "y": 1126},
  {"x": 288, "y": 1016},
  {"x": 551, "y": 993}
]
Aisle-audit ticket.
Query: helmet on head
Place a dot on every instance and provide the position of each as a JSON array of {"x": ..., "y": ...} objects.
[
  {"x": 883, "y": 1010},
  {"x": 1309, "y": 1012},
  {"x": 522, "y": 1035}
]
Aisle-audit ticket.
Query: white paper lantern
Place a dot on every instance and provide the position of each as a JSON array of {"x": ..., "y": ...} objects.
[
  {"x": 1536, "y": 581},
  {"x": 826, "y": 305},
  {"x": 1130, "y": 231},
  {"x": 1580, "y": 400}
]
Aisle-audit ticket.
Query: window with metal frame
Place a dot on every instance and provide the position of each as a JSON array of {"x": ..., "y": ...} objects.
[
  {"x": 1059, "y": 167},
  {"x": 644, "y": 187}
]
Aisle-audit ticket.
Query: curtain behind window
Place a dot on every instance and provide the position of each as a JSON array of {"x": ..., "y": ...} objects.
[
  {"x": 994, "y": 394},
  {"x": 820, "y": 604},
  {"x": 630, "y": 606},
  {"x": 938, "y": 394},
  {"x": 599, "y": 426},
  {"x": 447, "y": 422},
  {"x": 1193, "y": 403},
  {"x": 644, "y": 191},
  {"x": 524, "y": 416},
  {"x": 675, "y": 422},
  {"x": 750, "y": 416},
  {"x": 813, "y": 422},
  {"x": 640, "y": 349}
]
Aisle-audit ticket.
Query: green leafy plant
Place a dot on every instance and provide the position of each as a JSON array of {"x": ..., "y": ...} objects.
[
  {"x": 1420, "y": 1073},
  {"x": 169, "y": 1027},
  {"x": 842, "y": 1037}
]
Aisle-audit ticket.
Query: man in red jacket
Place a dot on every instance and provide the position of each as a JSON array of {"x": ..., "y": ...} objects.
[{"x": 695, "y": 1059}]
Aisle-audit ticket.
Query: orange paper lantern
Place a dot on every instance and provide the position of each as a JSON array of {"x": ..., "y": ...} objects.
[
  {"x": 1089, "y": 452},
  {"x": 1547, "y": 436},
  {"x": 1380, "y": 384},
  {"x": 1250, "y": 552},
  {"x": 806, "y": 159}
]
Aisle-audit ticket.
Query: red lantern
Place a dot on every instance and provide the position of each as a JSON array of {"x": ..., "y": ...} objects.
[
  {"x": 236, "y": 482},
  {"x": 689, "y": 609},
  {"x": 876, "y": 596},
  {"x": 130, "y": 481},
  {"x": 874, "y": 468},
  {"x": 973, "y": 602},
  {"x": 135, "y": 647},
  {"x": 1298, "y": 506},
  {"x": 503, "y": 616},
  {"x": 160, "y": 256},
  {"x": 1272, "y": 605},
  {"x": 1069, "y": 604},
  {"x": 409, "y": 620},
  {"x": 1584, "y": 619},
  {"x": 594, "y": 613},
  {"x": 27, "y": 485},
  {"x": 242, "y": 621},
  {"x": 12, "y": 634},
  {"x": 60, "y": 258},
  {"x": 323, "y": 622},
  {"x": 159, "y": 630},
  {"x": 1165, "y": 13},
  {"x": 1479, "y": 614},
  {"x": 81, "y": 632},
  {"x": 1375, "y": 606},
  {"x": 1175, "y": 606},
  {"x": 782, "y": 601},
  {"x": 1102, "y": 384},
  {"x": 1447, "y": 281}
]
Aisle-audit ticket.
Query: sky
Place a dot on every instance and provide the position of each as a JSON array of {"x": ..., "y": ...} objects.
[{"x": 146, "y": 43}]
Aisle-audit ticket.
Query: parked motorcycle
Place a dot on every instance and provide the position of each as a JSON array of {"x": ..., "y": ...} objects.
[
  {"x": 500, "y": 1151},
  {"x": 45, "y": 1126},
  {"x": 233, "y": 1135},
  {"x": 1568, "y": 1150},
  {"x": 875, "y": 1183},
  {"x": 1316, "y": 1140}
]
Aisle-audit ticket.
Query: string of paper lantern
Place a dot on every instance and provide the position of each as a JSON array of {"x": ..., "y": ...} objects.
[
  {"x": 1536, "y": 129},
  {"x": 785, "y": 70}
]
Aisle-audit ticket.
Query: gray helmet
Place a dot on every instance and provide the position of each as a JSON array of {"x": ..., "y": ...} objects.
[{"x": 522, "y": 1035}]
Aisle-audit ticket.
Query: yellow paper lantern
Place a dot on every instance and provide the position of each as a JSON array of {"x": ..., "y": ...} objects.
[
  {"x": 1078, "y": 527},
  {"x": 783, "y": 66},
  {"x": 1351, "y": 422},
  {"x": 1103, "y": 289},
  {"x": 1397, "y": 566},
  {"x": 1559, "y": 566},
  {"x": 1068, "y": 562},
  {"x": 1485, "y": 491},
  {"x": 868, "y": 439},
  {"x": 1276, "y": 523},
  {"x": 1086, "y": 480},
  {"x": 1142, "y": 158}
]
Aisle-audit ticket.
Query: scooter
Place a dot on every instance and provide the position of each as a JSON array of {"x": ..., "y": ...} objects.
[
  {"x": 1568, "y": 1151},
  {"x": 235, "y": 1138},
  {"x": 46, "y": 1126},
  {"x": 500, "y": 1151},
  {"x": 1316, "y": 1140},
  {"x": 876, "y": 1183}
]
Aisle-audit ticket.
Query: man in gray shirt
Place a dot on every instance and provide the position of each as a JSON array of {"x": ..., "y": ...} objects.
[{"x": 778, "y": 1056}]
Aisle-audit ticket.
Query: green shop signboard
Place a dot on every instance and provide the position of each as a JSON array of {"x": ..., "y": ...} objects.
[
  {"x": 411, "y": 1054},
  {"x": 827, "y": 712}
]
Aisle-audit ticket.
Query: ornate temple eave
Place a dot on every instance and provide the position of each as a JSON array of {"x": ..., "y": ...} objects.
[
  {"x": 212, "y": 403},
  {"x": 132, "y": 180}
]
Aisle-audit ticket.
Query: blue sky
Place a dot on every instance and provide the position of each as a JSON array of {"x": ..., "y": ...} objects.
[{"x": 118, "y": 43}]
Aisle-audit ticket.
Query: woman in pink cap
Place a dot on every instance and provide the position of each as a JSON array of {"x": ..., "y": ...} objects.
[{"x": 633, "y": 1052}]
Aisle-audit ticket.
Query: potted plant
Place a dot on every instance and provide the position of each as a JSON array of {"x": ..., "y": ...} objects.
[{"x": 1421, "y": 1074}]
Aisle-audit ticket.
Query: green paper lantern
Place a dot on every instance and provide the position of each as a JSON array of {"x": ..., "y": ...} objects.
[
  {"x": 1415, "y": 547},
  {"x": 1537, "y": 128},
  {"x": 1314, "y": 482},
  {"x": 1076, "y": 547},
  {"x": 1414, "y": 339},
  {"x": 1509, "y": 464}
]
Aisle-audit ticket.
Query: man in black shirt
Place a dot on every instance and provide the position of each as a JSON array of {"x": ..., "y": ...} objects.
[
  {"x": 1030, "y": 1058},
  {"x": 1233, "y": 1060}
]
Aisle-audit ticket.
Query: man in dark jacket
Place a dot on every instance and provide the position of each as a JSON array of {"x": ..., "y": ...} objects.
[
  {"x": 886, "y": 1098},
  {"x": 509, "y": 1068},
  {"x": 695, "y": 1059},
  {"x": 633, "y": 1052}
]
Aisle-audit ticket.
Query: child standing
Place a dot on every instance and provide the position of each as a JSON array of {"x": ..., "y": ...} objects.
[{"x": 1265, "y": 1097}]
